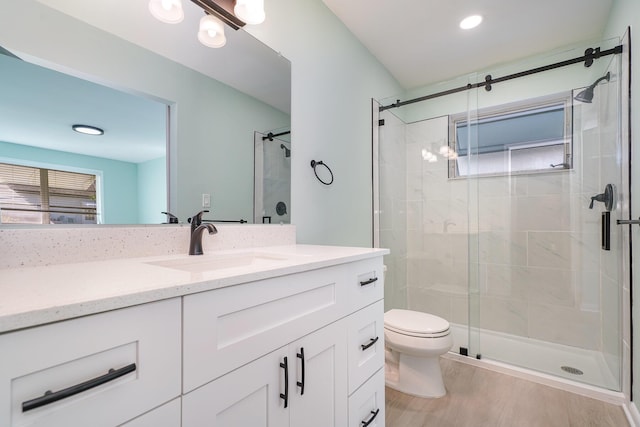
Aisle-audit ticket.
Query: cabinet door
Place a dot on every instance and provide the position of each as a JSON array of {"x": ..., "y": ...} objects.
[
  {"x": 324, "y": 400},
  {"x": 248, "y": 396}
]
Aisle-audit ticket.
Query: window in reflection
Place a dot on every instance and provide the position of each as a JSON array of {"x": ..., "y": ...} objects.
[{"x": 32, "y": 195}]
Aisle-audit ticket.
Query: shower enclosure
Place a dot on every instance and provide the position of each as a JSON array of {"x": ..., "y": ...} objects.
[
  {"x": 272, "y": 177},
  {"x": 499, "y": 204}
]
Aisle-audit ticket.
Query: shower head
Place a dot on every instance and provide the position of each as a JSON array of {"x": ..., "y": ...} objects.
[
  {"x": 587, "y": 94},
  {"x": 287, "y": 152}
]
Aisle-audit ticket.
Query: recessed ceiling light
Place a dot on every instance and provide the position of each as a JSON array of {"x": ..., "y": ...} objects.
[
  {"x": 470, "y": 22},
  {"x": 87, "y": 130}
]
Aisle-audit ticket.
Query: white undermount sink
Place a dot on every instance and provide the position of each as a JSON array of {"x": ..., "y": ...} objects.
[{"x": 213, "y": 262}]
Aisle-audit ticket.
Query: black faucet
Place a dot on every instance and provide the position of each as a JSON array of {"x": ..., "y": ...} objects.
[
  {"x": 171, "y": 217},
  {"x": 197, "y": 228}
]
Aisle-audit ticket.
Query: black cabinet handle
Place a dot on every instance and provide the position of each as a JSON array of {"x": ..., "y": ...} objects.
[
  {"x": 50, "y": 397},
  {"x": 368, "y": 282},
  {"x": 301, "y": 383},
  {"x": 370, "y": 420},
  {"x": 285, "y": 396},
  {"x": 372, "y": 341}
]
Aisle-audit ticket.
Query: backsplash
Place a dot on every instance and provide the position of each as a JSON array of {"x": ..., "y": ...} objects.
[{"x": 30, "y": 247}]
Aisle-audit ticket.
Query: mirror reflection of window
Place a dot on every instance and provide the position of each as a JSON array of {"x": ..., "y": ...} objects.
[{"x": 31, "y": 195}]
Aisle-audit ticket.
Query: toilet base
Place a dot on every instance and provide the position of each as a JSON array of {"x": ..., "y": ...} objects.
[{"x": 417, "y": 376}]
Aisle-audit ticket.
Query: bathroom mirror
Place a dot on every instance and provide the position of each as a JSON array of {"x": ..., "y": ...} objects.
[{"x": 200, "y": 105}]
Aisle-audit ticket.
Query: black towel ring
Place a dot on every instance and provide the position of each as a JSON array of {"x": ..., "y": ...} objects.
[{"x": 318, "y": 163}]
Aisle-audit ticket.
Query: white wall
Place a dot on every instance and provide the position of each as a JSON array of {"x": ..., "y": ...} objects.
[{"x": 333, "y": 80}]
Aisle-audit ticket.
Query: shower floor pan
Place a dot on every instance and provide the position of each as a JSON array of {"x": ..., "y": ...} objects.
[{"x": 541, "y": 356}]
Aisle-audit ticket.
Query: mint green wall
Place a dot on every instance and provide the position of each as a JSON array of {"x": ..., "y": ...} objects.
[
  {"x": 212, "y": 124},
  {"x": 152, "y": 191},
  {"x": 626, "y": 13},
  {"x": 119, "y": 179},
  {"x": 333, "y": 78}
]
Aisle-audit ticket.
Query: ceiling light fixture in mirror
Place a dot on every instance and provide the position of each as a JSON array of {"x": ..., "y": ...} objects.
[{"x": 217, "y": 13}]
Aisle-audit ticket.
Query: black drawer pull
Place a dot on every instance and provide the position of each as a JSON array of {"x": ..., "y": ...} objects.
[
  {"x": 301, "y": 383},
  {"x": 368, "y": 282},
  {"x": 372, "y": 341},
  {"x": 50, "y": 397},
  {"x": 285, "y": 396},
  {"x": 370, "y": 420}
]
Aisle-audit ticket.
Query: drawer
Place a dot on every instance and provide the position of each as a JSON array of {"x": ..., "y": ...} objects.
[
  {"x": 142, "y": 345},
  {"x": 229, "y": 327},
  {"x": 365, "y": 344},
  {"x": 366, "y": 282},
  {"x": 366, "y": 405},
  {"x": 167, "y": 415}
]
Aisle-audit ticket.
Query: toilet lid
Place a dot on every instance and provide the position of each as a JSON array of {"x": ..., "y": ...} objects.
[{"x": 414, "y": 322}]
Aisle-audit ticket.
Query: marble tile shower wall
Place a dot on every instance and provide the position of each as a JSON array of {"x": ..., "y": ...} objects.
[{"x": 537, "y": 243}]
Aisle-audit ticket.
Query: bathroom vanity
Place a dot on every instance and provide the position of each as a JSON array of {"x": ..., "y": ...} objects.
[{"x": 275, "y": 336}]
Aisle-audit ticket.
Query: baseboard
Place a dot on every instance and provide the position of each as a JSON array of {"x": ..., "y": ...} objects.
[{"x": 632, "y": 413}]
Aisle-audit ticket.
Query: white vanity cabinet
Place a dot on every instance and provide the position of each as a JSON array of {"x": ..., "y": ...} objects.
[
  {"x": 299, "y": 346},
  {"x": 250, "y": 349},
  {"x": 99, "y": 370}
]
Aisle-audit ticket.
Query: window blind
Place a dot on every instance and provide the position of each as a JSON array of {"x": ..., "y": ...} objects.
[{"x": 42, "y": 196}]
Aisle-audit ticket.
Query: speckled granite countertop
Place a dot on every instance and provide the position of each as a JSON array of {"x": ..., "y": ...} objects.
[{"x": 33, "y": 296}]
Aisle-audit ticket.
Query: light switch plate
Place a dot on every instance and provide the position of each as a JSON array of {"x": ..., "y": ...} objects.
[{"x": 206, "y": 200}]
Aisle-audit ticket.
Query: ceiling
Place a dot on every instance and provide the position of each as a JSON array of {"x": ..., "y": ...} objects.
[
  {"x": 38, "y": 107},
  {"x": 420, "y": 42}
]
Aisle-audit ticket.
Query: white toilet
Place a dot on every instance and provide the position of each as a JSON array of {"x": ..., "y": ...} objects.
[{"x": 414, "y": 342}]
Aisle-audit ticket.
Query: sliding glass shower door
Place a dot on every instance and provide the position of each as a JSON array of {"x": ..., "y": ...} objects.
[
  {"x": 500, "y": 208},
  {"x": 547, "y": 283}
]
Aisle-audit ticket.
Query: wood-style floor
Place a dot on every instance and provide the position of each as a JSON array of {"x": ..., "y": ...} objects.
[{"x": 478, "y": 397}]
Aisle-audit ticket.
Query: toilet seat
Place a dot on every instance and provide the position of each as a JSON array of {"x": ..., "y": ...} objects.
[{"x": 415, "y": 324}]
